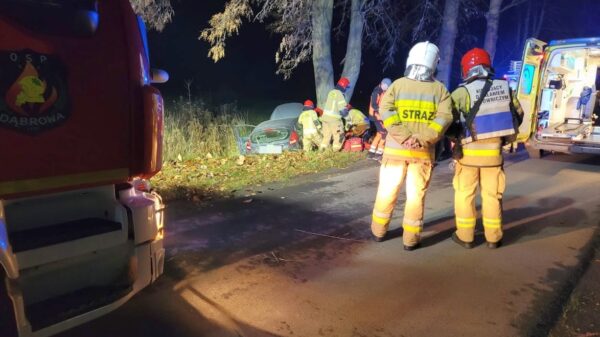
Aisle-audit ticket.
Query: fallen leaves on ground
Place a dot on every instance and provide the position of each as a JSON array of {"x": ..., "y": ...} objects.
[{"x": 210, "y": 178}]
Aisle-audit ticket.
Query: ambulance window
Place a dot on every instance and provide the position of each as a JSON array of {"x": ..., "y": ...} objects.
[
  {"x": 56, "y": 17},
  {"x": 527, "y": 78}
]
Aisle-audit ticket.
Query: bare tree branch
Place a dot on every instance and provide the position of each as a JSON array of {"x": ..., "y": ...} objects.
[{"x": 511, "y": 4}]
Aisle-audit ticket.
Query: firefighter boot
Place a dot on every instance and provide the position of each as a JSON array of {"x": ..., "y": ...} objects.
[
  {"x": 465, "y": 182},
  {"x": 391, "y": 176},
  {"x": 493, "y": 184}
]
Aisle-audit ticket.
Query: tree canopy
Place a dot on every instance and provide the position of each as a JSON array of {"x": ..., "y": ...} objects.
[{"x": 156, "y": 13}]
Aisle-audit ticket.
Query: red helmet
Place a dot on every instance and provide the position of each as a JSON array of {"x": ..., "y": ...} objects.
[
  {"x": 344, "y": 82},
  {"x": 319, "y": 111},
  {"x": 309, "y": 103},
  {"x": 475, "y": 57}
]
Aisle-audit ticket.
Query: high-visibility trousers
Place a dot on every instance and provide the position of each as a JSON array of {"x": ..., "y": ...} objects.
[
  {"x": 493, "y": 183},
  {"x": 333, "y": 131},
  {"x": 391, "y": 176},
  {"x": 311, "y": 141}
]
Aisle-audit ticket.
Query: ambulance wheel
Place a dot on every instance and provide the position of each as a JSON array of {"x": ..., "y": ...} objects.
[
  {"x": 534, "y": 153},
  {"x": 8, "y": 323}
]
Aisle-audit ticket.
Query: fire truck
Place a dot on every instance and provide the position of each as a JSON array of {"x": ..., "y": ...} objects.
[
  {"x": 558, "y": 89},
  {"x": 81, "y": 130}
]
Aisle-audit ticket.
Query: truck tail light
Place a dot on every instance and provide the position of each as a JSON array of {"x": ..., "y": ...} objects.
[
  {"x": 294, "y": 138},
  {"x": 142, "y": 185},
  {"x": 152, "y": 132}
]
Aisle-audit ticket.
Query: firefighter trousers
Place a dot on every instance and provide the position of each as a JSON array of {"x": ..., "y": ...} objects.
[
  {"x": 332, "y": 130},
  {"x": 311, "y": 141},
  {"x": 492, "y": 181},
  {"x": 391, "y": 176}
]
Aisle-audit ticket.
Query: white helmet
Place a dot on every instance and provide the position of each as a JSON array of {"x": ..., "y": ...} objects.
[{"x": 424, "y": 54}]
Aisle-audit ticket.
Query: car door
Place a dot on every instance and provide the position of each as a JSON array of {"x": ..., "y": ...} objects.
[{"x": 527, "y": 89}]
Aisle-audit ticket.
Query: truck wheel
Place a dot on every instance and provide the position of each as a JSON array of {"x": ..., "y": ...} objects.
[
  {"x": 534, "y": 153},
  {"x": 8, "y": 323}
]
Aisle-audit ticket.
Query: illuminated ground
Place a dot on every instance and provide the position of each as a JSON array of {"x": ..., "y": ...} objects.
[{"x": 255, "y": 267}]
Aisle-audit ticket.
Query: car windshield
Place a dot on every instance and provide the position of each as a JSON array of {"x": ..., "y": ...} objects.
[{"x": 269, "y": 135}]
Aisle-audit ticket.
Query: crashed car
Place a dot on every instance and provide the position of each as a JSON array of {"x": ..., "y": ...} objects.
[{"x": 274, "y": 136}]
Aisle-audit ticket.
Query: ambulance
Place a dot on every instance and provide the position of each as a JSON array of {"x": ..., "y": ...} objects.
[
  {"x": 558, "y": 89},
  {"x": 81, "y": 128}
]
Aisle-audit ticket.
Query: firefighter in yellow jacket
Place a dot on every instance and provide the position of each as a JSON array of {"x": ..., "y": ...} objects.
[
  {"x": 333, "y": 112},
  {"x": 416, "y": 110},
  {"x": 311, "y": 127},
  {"x": 356, "y": 122},
  {"x": 487, "y": 123}
]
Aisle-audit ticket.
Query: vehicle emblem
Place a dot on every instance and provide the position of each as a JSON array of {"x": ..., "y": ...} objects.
[{"x": 33, "y": 92}]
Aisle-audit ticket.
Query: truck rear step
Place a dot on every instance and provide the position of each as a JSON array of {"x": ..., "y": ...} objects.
[
  {"x": 59, "y": 233},
  {"x": 59, "y": 309}
]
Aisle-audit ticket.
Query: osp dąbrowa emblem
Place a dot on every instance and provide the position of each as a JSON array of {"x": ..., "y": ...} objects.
[{"x": 33, "y": 92}]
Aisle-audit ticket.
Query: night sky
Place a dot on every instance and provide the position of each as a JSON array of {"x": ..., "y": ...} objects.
[{"x": 247, "y": 74}]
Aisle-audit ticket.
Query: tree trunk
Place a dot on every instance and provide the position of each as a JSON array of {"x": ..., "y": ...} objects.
[
  {"x": 322, "y": 14},
  {"x": 353, "y": 59},
  {"x": 447, "y": 40},
  {"x": 493, "y": 21}
]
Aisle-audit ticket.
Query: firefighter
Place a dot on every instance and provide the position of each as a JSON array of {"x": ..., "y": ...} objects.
[
  {"x": 378, "y": 143},
  {"x": 416, "y": 110},
  {"x": 356, "y": 122},
  {"x": 488, "y": 122},
  {"x": 333, "y": 112},
  {"x": 311, "y": 127}
]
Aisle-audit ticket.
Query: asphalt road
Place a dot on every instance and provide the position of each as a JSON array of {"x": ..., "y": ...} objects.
[{"x": 263, "y": 267}]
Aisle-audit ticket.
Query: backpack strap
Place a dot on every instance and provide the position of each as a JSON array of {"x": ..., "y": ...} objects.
[{"x": 475, "y": 108}]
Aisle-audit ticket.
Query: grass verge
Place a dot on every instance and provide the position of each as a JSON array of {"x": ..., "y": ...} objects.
[{"x": 208, "y": 179}]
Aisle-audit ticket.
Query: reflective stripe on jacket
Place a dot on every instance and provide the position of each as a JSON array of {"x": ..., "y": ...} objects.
[
  {"x": 422, "y": 110},
  {"x": 483, "y": 153},
  {"x": 336, "y": 102},
  {"x": 309, "y": 121}
]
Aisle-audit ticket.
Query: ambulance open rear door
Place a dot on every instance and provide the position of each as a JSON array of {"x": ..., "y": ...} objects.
[{"x": 528, "y": 87}]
